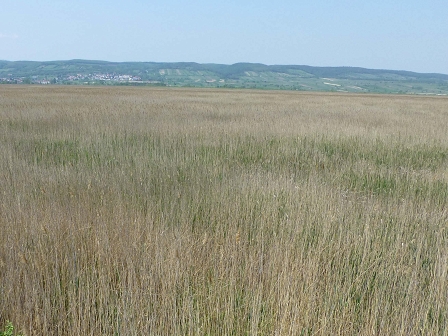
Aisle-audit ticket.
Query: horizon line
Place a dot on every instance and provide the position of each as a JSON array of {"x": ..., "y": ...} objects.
[{"x": 228, "y": 64}]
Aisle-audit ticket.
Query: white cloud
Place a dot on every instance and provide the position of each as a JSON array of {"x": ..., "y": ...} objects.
[{"x": 9, "y": 36}]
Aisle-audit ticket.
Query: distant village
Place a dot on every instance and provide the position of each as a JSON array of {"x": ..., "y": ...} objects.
[{"x": 75, "y": 79}]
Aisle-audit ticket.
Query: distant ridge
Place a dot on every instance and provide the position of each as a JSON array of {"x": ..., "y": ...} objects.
[{"x": 238, "y": 75}]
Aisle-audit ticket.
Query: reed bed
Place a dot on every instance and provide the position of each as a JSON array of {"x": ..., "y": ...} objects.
[{"x": 141, "y": 211}]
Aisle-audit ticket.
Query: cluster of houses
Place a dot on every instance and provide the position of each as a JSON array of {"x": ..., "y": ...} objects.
[
  {"x": 103, "y": 77},
  {"x": 44, "y": 80},
  {"x": 11, "y": 80}
]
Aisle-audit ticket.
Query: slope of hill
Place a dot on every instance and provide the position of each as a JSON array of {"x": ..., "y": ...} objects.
[{"x": 239, "y": 75}]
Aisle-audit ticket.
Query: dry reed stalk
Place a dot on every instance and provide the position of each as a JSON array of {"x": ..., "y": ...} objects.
[{"x": 135, "y": 211}]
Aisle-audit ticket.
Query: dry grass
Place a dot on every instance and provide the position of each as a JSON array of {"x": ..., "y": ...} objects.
[{"x": 202, "y": 212}]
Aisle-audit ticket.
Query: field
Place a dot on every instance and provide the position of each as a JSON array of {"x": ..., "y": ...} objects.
[{"x": 162, "y": 211}]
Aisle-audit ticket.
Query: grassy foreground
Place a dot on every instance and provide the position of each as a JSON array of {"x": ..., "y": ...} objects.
[{"x": 187, "y": 212}]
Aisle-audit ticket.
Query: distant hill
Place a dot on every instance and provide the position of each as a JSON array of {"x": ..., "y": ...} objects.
[{"x": 239, "y": 75}]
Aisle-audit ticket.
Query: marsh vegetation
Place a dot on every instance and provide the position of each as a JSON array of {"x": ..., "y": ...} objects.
[{"x": 138, "y": 211}]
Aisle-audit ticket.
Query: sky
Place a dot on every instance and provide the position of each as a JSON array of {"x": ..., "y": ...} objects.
[{"x": 384, "y": 34}]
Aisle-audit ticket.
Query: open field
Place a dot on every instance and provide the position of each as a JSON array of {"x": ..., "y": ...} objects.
[{"x": 139, "y": 211}]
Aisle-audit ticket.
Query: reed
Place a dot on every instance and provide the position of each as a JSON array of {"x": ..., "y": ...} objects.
[{"x": 135, "y": 211}]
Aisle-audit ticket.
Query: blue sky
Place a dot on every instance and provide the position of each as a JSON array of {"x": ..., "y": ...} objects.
[{"x": 383, "y": 34}]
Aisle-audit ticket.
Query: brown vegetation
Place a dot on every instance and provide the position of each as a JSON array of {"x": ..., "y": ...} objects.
[{"x": 134, "y": 211}]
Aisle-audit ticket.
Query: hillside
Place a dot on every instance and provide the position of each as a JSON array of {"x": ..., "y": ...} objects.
[{"x": 239, "y": 75}]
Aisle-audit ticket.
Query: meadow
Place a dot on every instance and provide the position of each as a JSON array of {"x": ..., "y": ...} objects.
[{"x": 162, "y": 211}]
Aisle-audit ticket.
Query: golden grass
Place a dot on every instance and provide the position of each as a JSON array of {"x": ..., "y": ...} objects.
[{"x": 134, "y": 211}]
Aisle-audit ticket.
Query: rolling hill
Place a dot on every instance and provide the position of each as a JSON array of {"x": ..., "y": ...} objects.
[{"x": 239, "y": 75}]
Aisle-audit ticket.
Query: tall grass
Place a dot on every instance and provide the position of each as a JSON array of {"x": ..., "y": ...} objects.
[{"x": 201, "y": 212}]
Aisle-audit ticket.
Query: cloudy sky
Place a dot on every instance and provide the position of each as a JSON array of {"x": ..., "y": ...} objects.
[{"x": 383, "y": 34}]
